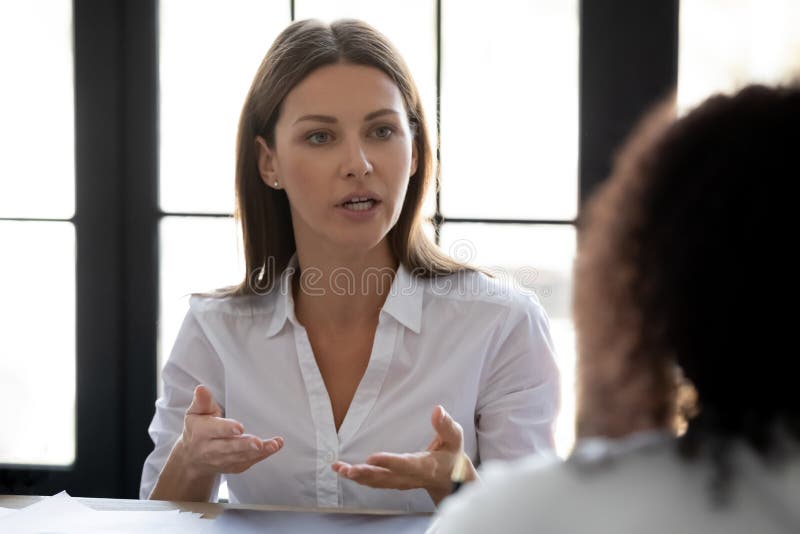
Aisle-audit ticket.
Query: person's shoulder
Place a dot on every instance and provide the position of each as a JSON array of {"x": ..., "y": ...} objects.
[
  {"x": 479, "y": 289},
  {"x": 598, "y": 469},
  {"x": 232, "y": 305},
  {"x": 504, "y": 496},
  {"x": 498, "y": 473},
  {"x": 536, "y": 493}
]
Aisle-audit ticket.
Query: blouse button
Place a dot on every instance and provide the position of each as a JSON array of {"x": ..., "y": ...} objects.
[{"x": 329, "y": 456}]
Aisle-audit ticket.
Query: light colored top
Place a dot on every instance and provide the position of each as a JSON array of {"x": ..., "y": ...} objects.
[
  {"x": 481, "y": 350},
  {"x": 639, "y": 484}
]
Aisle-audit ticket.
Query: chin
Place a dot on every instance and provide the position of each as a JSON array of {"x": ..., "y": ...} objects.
[{"x": 360, "y": 240}]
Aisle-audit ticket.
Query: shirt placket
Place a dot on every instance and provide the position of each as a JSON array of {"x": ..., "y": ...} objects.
[{"x": 327, "y": 439}]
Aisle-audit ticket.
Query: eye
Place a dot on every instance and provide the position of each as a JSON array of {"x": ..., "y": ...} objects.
[
  {"x": 319, "y": 138},
  {"x": 383, "y": 132}
]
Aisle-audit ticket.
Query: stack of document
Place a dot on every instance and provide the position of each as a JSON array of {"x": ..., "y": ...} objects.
[{"x": 61, "y": 514}]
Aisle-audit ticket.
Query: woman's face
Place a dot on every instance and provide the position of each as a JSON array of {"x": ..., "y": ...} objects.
[{"x": 343, "y": 153}]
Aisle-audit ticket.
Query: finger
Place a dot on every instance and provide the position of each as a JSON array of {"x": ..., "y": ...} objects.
[
  {"x": 240, "y": 453},
  {"x": 435, "y": 444},
  {"x": 203, "y": 403},
  {"x": 377, "y": 477},
  {"x": 448, "y": 431},
  {"x": 271, "y": 446},
  {"x": 268, "y": 448},
  {"x": 246, "y": 446},
  {"x": 340, "y": 468},
  {"x": 403, "y": 464},
  {"x": 211, "y": 427},
  {"x": 252, "y": 447}
]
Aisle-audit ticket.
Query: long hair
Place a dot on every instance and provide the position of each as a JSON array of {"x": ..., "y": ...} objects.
[{"x": 263, "y": 212}]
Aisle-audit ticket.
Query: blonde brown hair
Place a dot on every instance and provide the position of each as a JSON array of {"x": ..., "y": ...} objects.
[{"x": 263, "y": 212}]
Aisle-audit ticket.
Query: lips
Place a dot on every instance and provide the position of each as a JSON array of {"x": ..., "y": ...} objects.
[
  {"x": 361, "y": 206},
  {"x": 359, "y": 201},
  {"x": 359, "y": 196}
]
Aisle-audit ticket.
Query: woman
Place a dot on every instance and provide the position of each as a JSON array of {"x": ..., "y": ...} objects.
[
  {"x": 674, "y": 321},
  {"x": 354, "y": 331}
]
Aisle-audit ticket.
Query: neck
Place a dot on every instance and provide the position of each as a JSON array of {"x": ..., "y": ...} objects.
[{"x": 341, "y": 289}]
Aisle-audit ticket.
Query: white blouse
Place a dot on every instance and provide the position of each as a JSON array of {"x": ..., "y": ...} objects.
[{"x": 481, "y": 350}]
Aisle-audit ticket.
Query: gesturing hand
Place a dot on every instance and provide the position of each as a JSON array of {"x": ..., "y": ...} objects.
[
  {"x": 429, "y": 469},
  {"x": 212, "y": 444}
]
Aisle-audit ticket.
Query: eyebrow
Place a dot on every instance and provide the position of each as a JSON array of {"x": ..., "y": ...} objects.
[{"x": 333, "y": 120}]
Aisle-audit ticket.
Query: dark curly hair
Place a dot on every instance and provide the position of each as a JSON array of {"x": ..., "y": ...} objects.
[{"x": 670, "y": 277}]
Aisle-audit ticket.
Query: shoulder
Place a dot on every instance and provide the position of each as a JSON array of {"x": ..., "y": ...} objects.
[
  {"x": 206, "y": 308},
  {"x": 475, "y": 290},
  {"x": 544, "y": 494},
  {"x": 504, "y": 496}
]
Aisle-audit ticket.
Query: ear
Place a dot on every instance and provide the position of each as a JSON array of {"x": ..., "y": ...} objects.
[
  {"x": 413, "y": 157},
  {"x": 267, "y": 164}
]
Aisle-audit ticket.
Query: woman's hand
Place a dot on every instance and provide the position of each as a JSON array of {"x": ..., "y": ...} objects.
[
  {"x": 209, "y": 445},
  {"x": 212, "y": 444},
  {"x": 429, "y": 469}
]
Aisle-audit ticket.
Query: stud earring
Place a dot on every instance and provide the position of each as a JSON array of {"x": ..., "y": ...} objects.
[{"x": 276, "y": 183}]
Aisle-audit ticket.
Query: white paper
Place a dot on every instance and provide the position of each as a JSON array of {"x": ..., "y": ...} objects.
[
  {"x": 61, "y": 514},
  {"x": 6, "y": 511}
]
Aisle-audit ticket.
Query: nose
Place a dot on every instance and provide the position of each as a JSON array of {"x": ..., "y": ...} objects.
[{"x": 355, "y": 163}]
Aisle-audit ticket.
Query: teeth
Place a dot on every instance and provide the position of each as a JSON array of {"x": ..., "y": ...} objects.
[{"x": 360, "y": 206}]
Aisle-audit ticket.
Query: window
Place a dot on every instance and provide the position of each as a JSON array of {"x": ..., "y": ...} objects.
[
  {"x": 726, "y": 45},
  {"x": 509, "y": 152},
  {"x": 37, "y": 234},
  {"x": 203, "y": 83}
]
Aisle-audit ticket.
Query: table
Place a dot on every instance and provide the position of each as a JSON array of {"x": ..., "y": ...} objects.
[{"x": 208, "y": 509}]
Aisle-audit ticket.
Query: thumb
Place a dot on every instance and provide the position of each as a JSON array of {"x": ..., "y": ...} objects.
[
  {"x": 203, "y": 403},
  {"x": 448, "y": 431}
]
